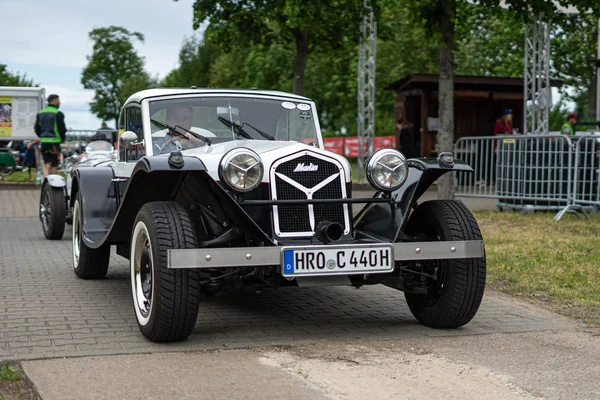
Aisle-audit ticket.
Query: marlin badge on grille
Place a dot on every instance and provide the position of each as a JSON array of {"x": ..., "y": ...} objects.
[{"x": 306, "y": 168}]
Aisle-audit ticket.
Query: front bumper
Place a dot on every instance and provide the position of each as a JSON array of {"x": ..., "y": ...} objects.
[{"x": 234, "y": 257}]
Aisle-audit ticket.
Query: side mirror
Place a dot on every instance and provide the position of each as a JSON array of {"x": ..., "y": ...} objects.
[{"x": 128, "y": 140}]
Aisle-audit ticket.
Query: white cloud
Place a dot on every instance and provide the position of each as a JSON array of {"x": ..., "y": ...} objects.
[
  {"x": 52, "y": 37},
  {"x": 80, "y": 120},
  {"x": 56, "y": 33},
  {"x": 70, "y": 98}
]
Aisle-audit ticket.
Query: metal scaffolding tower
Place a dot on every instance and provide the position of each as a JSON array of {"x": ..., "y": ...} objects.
[
  {"x": 598, "y": 77},
  {"x": 366, "y": 88},
  {"x": 537, "y": 90}
]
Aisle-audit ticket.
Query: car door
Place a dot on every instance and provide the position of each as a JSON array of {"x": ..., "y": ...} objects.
[{"x": 130, "y": 120}]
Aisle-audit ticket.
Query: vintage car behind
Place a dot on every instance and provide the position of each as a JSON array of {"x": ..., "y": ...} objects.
[
  {"x": 215, "y": 190},
  {"x": 54, "y": 200}
]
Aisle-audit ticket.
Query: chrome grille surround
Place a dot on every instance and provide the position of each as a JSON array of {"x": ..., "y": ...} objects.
[{"x": 327, "y": 181}]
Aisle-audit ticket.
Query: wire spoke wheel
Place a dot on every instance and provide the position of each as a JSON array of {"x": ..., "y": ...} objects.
[{"x": 6, "y": 170}]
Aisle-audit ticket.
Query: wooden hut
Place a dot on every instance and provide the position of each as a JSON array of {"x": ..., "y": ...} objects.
[{"x": 478, "y": 103}]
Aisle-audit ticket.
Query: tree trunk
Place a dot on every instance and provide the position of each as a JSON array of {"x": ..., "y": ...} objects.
[
  {"x": 445, "y": 136},
  {"x": 300, "y": 63}
]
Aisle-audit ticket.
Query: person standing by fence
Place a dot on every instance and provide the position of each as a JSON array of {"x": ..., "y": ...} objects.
[
  {"x": 51, "y": 129},
  {"x": 504, "y": 125},
  {"x": 568, "y": 127}
]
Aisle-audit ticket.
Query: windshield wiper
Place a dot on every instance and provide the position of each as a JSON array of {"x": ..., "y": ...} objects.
[
  {"x": 264, "y": 134},
  {"x": 176, "y": 127},
  {"x": 240, "y": 129}
]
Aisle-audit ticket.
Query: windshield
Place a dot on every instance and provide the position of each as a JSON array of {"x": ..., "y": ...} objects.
[
  {"x": 99, "y": 145},
  {"x": 226, "y": 118}
]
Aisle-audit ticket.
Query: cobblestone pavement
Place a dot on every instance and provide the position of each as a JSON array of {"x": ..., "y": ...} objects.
[
  {"x": 45, "y": 311},
  {"x": 16, "y": 202}
]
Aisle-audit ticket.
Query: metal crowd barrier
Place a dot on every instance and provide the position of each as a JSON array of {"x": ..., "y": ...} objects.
[
  {"x": 86, "y": 134},
  {"x": 586, "y": 185},
  {"x": 531, "y": 172}
]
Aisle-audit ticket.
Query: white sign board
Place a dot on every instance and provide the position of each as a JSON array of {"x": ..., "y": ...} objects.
[{"x": 18, "y": 109}]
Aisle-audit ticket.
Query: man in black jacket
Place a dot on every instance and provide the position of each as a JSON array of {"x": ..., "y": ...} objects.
[
  {"x": 407, "y": 138},
  {"x": 51, "y": 129}
]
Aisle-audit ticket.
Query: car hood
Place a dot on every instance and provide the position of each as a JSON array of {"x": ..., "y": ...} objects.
[{"x": 269, "y": 152}]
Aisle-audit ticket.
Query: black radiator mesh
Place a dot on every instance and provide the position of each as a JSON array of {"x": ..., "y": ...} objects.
[{"x": 295, "y": 218}]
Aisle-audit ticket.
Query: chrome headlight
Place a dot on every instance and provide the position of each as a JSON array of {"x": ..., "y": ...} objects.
[
  {"x": 241, "y": 169},
  {"x": 387, "y": 170}
]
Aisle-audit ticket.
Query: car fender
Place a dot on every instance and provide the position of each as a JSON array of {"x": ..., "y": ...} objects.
[
  {"x": 56, "y": 181},
  {"x": 95, "y": 189},
  {"x": 113, "y": 209},
  {"x": 388, "y": 220}
]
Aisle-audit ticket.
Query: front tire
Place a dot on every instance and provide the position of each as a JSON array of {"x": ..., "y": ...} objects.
[
  {"x": 453, "y": 300},
  {"x": 53, "y": 210},
  {"x": 88, "y": 263},
  {"x": 165, "y": 300}
]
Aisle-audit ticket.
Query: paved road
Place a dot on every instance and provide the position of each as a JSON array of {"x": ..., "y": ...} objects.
[{"x": 45, "y": 311}]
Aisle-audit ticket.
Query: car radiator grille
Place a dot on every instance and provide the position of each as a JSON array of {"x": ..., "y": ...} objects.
[{"x": 292, "y": 220}]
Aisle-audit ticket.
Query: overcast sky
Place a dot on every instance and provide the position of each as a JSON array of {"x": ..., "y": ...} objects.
[{"x": 48, "y": 40}]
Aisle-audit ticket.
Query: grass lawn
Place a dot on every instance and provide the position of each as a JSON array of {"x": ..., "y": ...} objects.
[
  {"x": 20, "y": 176},
  {"x": 535, "y": 257}
]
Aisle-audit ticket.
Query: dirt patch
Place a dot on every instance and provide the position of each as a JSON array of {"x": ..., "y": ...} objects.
[
  {"x": 17, "y": 390},
  {"x": 381, "y": 370},
  {"x": 14, "y": 385}
]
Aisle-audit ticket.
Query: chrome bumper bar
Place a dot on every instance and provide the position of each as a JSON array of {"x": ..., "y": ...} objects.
[{"x": 233, "y": 257}]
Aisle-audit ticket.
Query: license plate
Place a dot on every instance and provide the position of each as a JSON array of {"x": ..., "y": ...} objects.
[{"x": 337, "y": 260}]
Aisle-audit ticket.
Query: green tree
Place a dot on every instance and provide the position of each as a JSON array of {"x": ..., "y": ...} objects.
[
  {"x": 113, "y": 66},
  {"x": 136, "y": 83},
  {"x": 8, "y": 78},
  {"x": 558, "y": 115},
  {"x": 443, "y": 17},
  {"x": 195, "y": 61},
  {"x": 308, "y": 26},
  {"x": 574, "y": 49},
  {"x": 491, "y": 45}
]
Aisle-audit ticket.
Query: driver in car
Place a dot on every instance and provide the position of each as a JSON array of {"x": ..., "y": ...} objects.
[{"x": 180, "y": 115}]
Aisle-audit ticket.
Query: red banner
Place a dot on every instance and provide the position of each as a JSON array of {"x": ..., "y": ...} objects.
[
  {"x": 351, "y": 146},
  {"x": 384, "y": 142},
  {"x": 334, "y": 144},
  {"x": 348, "y": 146}
]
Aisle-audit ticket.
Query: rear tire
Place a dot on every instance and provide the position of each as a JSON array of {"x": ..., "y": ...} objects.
[
  {"x": 6, "y": 170},
  {"x": 53, "y": 210},
  {"x": 454, "y": 300},
  {"x": 165, "y": 301},
  {"x": 88, "y": 263}
]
